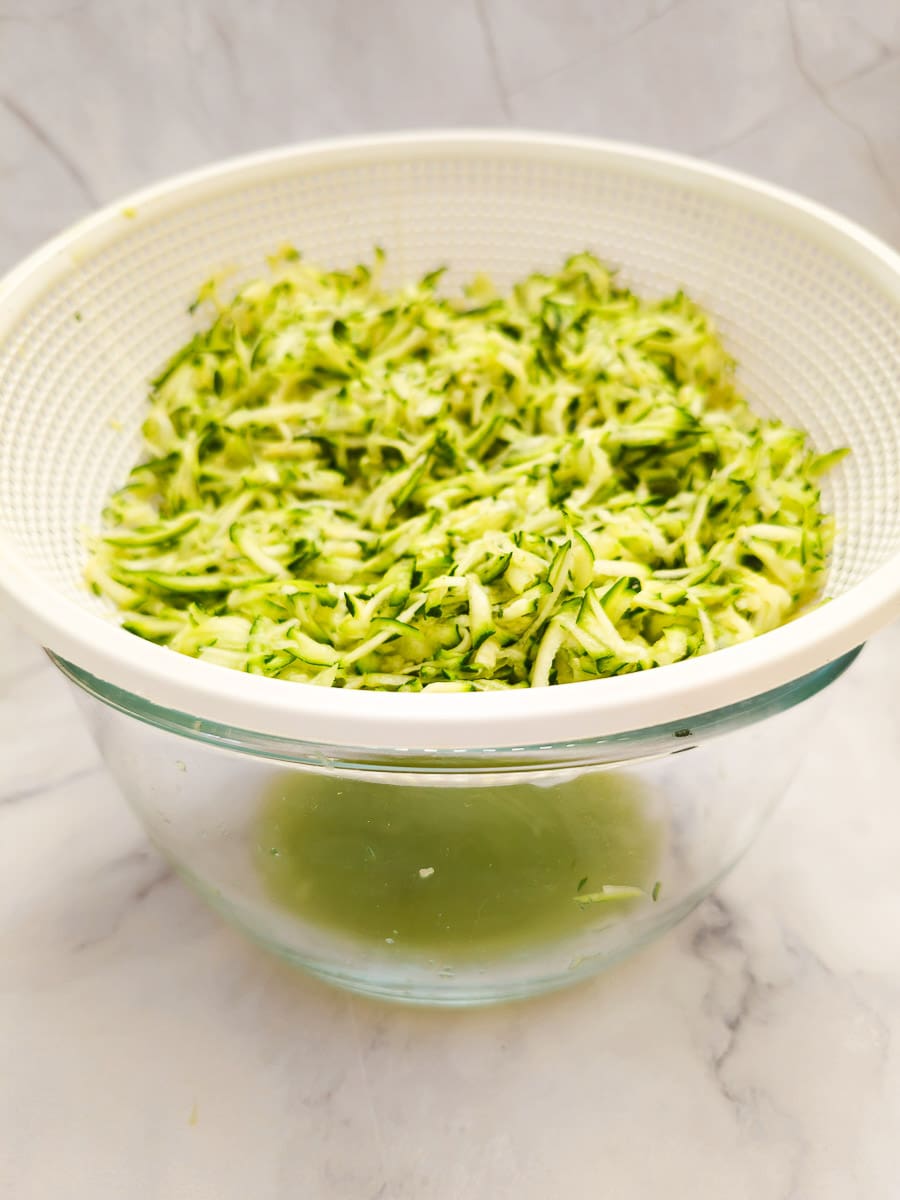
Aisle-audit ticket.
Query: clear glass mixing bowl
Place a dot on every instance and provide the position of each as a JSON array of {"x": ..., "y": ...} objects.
[{"x": 455, "y": 878}]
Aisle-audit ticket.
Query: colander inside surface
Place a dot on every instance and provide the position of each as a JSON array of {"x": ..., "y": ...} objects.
[{"x": 807, "y": 303}]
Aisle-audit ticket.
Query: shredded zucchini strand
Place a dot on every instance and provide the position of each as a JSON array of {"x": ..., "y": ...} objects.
[{"x": 358, "y": 487}]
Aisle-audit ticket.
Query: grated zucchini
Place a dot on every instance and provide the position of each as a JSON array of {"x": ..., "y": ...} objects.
[{"x": 359, "y": 487}]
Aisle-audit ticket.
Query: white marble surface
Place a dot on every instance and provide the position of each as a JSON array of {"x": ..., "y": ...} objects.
[{"x": 146, "y": 1051}]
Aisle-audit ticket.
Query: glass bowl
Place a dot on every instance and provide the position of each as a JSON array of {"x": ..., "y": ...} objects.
[{"x": 462, "y": 877}]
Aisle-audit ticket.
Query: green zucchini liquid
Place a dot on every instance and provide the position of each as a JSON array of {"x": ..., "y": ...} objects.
[{"x": 454, "y": 871}]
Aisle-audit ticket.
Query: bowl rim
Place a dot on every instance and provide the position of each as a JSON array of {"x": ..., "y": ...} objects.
[{"x": 480, "y": 720}]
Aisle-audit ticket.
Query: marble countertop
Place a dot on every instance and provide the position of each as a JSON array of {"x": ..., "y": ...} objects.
[{"x": 148, "y": 1052}]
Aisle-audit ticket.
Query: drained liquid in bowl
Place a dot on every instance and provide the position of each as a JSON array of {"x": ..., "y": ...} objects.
[{"x": 458, "y": 871}]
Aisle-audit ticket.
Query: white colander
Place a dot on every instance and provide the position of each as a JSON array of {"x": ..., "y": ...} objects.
[{"x": 807, "y": 302}]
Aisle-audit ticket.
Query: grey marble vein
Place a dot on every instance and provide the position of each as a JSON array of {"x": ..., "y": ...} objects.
[
  {"x": 53, "y": 148},
  {"x": 839, "y": 41},
  {"x": 8, "y": 798},
  {"x": 491, "y": 48},
  {"x": 799, "y": 55}
]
